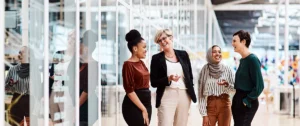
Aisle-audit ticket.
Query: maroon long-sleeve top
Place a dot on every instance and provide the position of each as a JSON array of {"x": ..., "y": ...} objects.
[{"x": 135, "y": 76}]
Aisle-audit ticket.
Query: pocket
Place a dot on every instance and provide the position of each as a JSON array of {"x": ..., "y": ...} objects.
[
  {"x": 165, "y": 94},
  {"x": 226, "y": 102},
  {"x": 210, "y": 102},
  {"x": 211, "y": 109}
]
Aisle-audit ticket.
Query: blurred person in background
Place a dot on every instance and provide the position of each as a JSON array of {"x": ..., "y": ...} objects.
[
  {"x": 61, "y": 101},
  {"x": 17, "y": 82},
  {"x": 88, "y": 79}
]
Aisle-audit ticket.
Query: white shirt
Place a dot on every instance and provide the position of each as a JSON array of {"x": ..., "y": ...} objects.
[
  {"x": 213, "y": 89},
  {"x": 175, "y": 68}
]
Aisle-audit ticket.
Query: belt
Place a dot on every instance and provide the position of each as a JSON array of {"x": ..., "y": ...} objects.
[{"x": 222, "y": 96}]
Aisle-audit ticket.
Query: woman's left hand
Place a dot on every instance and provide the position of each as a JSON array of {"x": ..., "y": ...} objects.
[{"x": 223, "y": 82}]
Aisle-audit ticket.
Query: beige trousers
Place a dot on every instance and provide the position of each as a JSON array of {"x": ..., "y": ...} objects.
[{"x": 174, "y": 108}]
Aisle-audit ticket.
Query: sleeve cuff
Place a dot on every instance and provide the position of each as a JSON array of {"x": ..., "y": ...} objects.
[
  {"x": 204, "y": 114},
  {"x": 169, "y": 82},
  {"x": 129, "y": 90},
  {"x": 246, "y": 101}
]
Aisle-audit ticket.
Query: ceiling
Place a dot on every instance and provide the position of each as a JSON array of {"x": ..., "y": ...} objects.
[{"x": 260, "y": 23}]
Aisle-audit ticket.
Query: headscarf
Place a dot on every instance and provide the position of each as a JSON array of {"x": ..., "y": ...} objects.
[{"x": 212, "y": 69}]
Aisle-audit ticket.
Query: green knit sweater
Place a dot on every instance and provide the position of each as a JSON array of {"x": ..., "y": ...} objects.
[{"x": 249, "y": 78}]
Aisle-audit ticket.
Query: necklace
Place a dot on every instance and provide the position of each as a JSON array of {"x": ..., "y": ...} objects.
[{"x": 170, "y": 56}]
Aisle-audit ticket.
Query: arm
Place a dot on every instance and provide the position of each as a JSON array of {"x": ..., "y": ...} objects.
[
  {"x": 83, "y": 98},
  {"x": 202, "y": 100},
  {"x": 9, "y": 80},
  {"x": 190, "y": 67},
  {"x": 128, "y": 84},
  {"x": 230, "y": 78},
  {"x": 202, "y": 106},
  {"x": 134, "y": 98},
  {"x": 8, "y": 77},
  {"x": 154, "y": 70},
  {"x": 257, "y": 80}
]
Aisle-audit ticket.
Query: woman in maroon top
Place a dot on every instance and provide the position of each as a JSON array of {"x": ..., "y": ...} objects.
[{"x": 136, "y": 107}]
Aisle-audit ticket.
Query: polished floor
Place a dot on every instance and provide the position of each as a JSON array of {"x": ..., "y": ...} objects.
[{"x": 262, "y": 118}]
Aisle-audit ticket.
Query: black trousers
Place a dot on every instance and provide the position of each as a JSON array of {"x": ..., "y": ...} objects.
[
  {"x": 18, "y": 109},
  {"x": 243, "y": 115},
  {"x": 131, "y": 113}
]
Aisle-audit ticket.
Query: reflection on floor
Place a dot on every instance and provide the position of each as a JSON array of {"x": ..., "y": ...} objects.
[{"x": 262, "y": 118}]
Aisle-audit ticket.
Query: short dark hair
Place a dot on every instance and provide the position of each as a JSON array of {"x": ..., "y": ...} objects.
[
  {"x": 89, "y": 39},
  {"x": 244, "y": 35}
]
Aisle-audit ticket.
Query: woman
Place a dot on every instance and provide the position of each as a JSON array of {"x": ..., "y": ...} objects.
[
  {"x": 171, "y": 74},
  {"x": 215, "y": 84},
  {"x": 17, "y": 82},
  {"x": 88, "y": 79},
  {"x": 248, "y": 81},
  {"x": 136, "y": 107},
  {"x": 61, "y": 98}
]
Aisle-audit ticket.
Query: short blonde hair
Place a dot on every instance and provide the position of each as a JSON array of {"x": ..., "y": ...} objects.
[{"x": 168, "y": 32}]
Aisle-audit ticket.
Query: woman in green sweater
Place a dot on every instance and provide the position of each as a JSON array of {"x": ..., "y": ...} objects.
[{"x": 248, "y": 81}]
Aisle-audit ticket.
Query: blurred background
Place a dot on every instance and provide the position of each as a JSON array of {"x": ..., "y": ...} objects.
[{"x": 54, "y": 31}]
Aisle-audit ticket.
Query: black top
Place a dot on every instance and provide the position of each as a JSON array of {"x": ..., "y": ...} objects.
[
  {"x": 88, "y": 83},
  {"x": 159, "y": 77}
]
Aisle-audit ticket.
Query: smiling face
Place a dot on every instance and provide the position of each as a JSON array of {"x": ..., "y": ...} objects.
[
  {"x": 24, "y": 54},
  {"x": 237, "y": 44},
  {"x": 165, "y": 42},
  {"x": 216, "y": 54},
  {"x": 140, "y": 50}
]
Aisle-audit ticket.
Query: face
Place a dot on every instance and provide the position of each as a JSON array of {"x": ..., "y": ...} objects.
[
  {"x": 216, "y": 54},
  {"x": 237, "y": 44},
  {"x": 83, "y": 51},
  {"x": 165, "y": 42},
  {"x": 140, "y": 50},
  {"x": 23, "y": 53}
]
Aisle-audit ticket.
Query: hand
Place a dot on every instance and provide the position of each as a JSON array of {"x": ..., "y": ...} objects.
[
  {"x": 244, "y": 104},
  {"x": 12, "y": 82},
  {"x": 223, "y": 82},
  {"x": 145, "y": 116},
  {"x": 174, "y": 78},
  {"x": 206, "y": 121}
]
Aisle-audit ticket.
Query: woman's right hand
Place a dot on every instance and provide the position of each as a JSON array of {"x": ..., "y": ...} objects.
[
  {"x": 12, "y": 82},
  {"x": 146, "y": 118},
  {"x": 173, "y": 78},
  {"x": 206, "y": 121}
]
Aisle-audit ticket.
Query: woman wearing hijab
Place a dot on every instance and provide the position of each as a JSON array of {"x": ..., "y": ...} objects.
[
  {"x": 215, "y": 84},
  {"x": 248, "y": 82},
  {"x": 17, "y": 82},
  {"x": 171, "y": 73}
]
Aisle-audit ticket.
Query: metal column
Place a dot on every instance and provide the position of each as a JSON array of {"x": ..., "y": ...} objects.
[
  {"x": 286, "y": 43},
  {"x": 2, "y": 69},
  {"x": 46, "y": 62}
]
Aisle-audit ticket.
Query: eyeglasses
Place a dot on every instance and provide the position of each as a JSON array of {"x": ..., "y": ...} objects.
[{"x": 162, "y": 39}]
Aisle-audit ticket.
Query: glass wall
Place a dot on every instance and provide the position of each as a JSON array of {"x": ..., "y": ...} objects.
[{"x": 86, "y": 49}]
